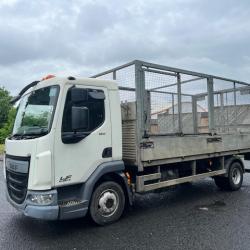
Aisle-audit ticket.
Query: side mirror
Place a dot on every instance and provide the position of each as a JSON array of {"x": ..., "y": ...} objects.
[{"x": 80, "y": 118}]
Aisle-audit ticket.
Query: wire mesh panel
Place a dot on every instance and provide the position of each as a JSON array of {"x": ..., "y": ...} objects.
[
  {"x": 195, "y": 106},
  {"x": 231, "y": 107},
  {"x": 162, "y": 102},
  {"x": 202, "y": 114},
  {"x": 242, "y": 108},
  {"x": 224, "y": 109},
  {"x": 125, "y": 78},
  {"x": 168, "y": 91},
  {"x": 173, "y": 101},
  {"x": 187, "y": 115},
  {"x": 163, "y": 113}
]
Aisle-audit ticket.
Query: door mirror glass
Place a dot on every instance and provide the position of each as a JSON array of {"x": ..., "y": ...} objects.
[
  {"x": 80, "y": 118},
  {"x": 79, "y": 95}
]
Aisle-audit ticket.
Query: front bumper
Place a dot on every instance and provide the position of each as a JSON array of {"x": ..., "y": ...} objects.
[
  {"x": 42, "y": 212},
  {"x": 63, "y": 205},
  {"x": 46, "y": 212},
  {"x": 52, "y": 211}
]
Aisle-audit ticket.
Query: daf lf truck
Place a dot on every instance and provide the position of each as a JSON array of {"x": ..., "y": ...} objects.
[{"x": 88, "y": 145}]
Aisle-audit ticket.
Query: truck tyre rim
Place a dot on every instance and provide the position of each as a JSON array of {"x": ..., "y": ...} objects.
[
  {"x": 108, "y": 203},
  {"x": 236, "y": 176}
]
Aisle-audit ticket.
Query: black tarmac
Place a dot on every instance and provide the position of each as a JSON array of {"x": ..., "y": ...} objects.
[{"x": 192, "y": 216}]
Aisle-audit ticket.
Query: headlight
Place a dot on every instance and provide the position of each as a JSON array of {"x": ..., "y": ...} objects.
[{"x": 41, "y": 199}]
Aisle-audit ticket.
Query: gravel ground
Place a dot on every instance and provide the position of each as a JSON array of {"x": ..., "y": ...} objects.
[{"x": 195, "y": 216}]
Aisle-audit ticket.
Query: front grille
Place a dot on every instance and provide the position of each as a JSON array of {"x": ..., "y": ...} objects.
[{"x": 17, "y": 184}]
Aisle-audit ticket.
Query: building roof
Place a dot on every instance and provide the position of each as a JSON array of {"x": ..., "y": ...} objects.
[{"x": 186, "y": 108}]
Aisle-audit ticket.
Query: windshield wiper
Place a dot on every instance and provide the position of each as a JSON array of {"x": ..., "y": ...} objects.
[{"x": 20, "y": 136}]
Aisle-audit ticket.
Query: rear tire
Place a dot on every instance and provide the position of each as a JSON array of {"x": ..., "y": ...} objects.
[
  {"x": 235, "y": 176},
  {"x": 107, "y": 203},
  {"x": 221, "y": 182},
  {"x": 234, "y": 180}
]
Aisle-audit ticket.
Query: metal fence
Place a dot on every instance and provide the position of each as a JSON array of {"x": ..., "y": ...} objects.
[{"x": 175, "y": 101}]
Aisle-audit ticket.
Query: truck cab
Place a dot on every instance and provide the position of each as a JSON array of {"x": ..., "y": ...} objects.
[{"x": 66, "y": 139}]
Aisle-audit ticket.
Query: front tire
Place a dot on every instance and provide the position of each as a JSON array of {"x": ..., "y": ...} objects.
[
  {"x": 107, "y": 203},
  {"x": 234, "y": 180}
]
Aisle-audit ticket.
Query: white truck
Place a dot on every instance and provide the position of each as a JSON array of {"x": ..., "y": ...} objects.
[{"x": 88, "y": 145}]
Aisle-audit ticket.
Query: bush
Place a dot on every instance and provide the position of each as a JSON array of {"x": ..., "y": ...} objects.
[
  {"x": 1, "y": 149},
  {"x": 6, "y": 130},
  {"x": 7, "y": 114},
  {"x": 5, "y": 106}
]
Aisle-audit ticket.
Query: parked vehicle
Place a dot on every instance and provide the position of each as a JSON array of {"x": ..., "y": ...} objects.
[{"x": 89, "y": 144}]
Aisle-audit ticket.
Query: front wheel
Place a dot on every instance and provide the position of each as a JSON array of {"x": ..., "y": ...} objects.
[
  {"x": 234, "y": 180},
  {"x": 107, "y": 203}
]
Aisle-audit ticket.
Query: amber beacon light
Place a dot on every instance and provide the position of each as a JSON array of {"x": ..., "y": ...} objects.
[{"x": 48, "y": 77}]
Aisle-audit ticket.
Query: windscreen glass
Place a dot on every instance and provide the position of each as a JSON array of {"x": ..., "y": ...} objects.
[{"x": 35, "y": 112}]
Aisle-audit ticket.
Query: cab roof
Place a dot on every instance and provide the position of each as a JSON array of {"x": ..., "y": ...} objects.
[
  {"x": 109, "y": 84},
  {"x": 62, "y": 81}
]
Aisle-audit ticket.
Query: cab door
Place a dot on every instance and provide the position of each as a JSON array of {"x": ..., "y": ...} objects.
[{"x": 83, "y": 134}]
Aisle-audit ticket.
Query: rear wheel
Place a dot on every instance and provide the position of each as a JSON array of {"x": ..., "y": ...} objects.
[
  {"x": 234, "y": 180},
  {"x": 235, "y": 176},
  {"x": 107, "y": 203},
  {"x": 221, "y": 182}
]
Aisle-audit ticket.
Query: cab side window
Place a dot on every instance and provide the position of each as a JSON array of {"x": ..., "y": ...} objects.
[{"x": 91, "y": 100}]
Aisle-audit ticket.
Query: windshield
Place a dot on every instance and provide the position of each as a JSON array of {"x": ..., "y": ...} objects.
[{"x": 35, "y": 112}]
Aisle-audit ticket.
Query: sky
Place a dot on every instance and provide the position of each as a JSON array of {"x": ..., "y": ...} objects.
[{"x": 83, "y": 37}]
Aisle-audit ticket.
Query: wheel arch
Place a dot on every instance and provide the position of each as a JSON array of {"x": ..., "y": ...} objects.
[
  {"x": 121, "y": 179},
  {"x": 105, "y": 172},
  {"x": 232, "y": 159}
]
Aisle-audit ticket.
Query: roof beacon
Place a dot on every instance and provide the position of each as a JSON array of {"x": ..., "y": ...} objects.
[{"x": 48, "y": 77}]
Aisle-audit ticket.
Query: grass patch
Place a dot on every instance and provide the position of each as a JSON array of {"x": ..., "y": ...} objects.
[{"x": 1, "y": 149}]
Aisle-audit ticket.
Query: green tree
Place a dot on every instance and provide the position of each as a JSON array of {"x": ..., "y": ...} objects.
[
  {"x": 7, "y": 114},
  {"x": 5, "y": 106},
  {"x": 6, "y": 130}
]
